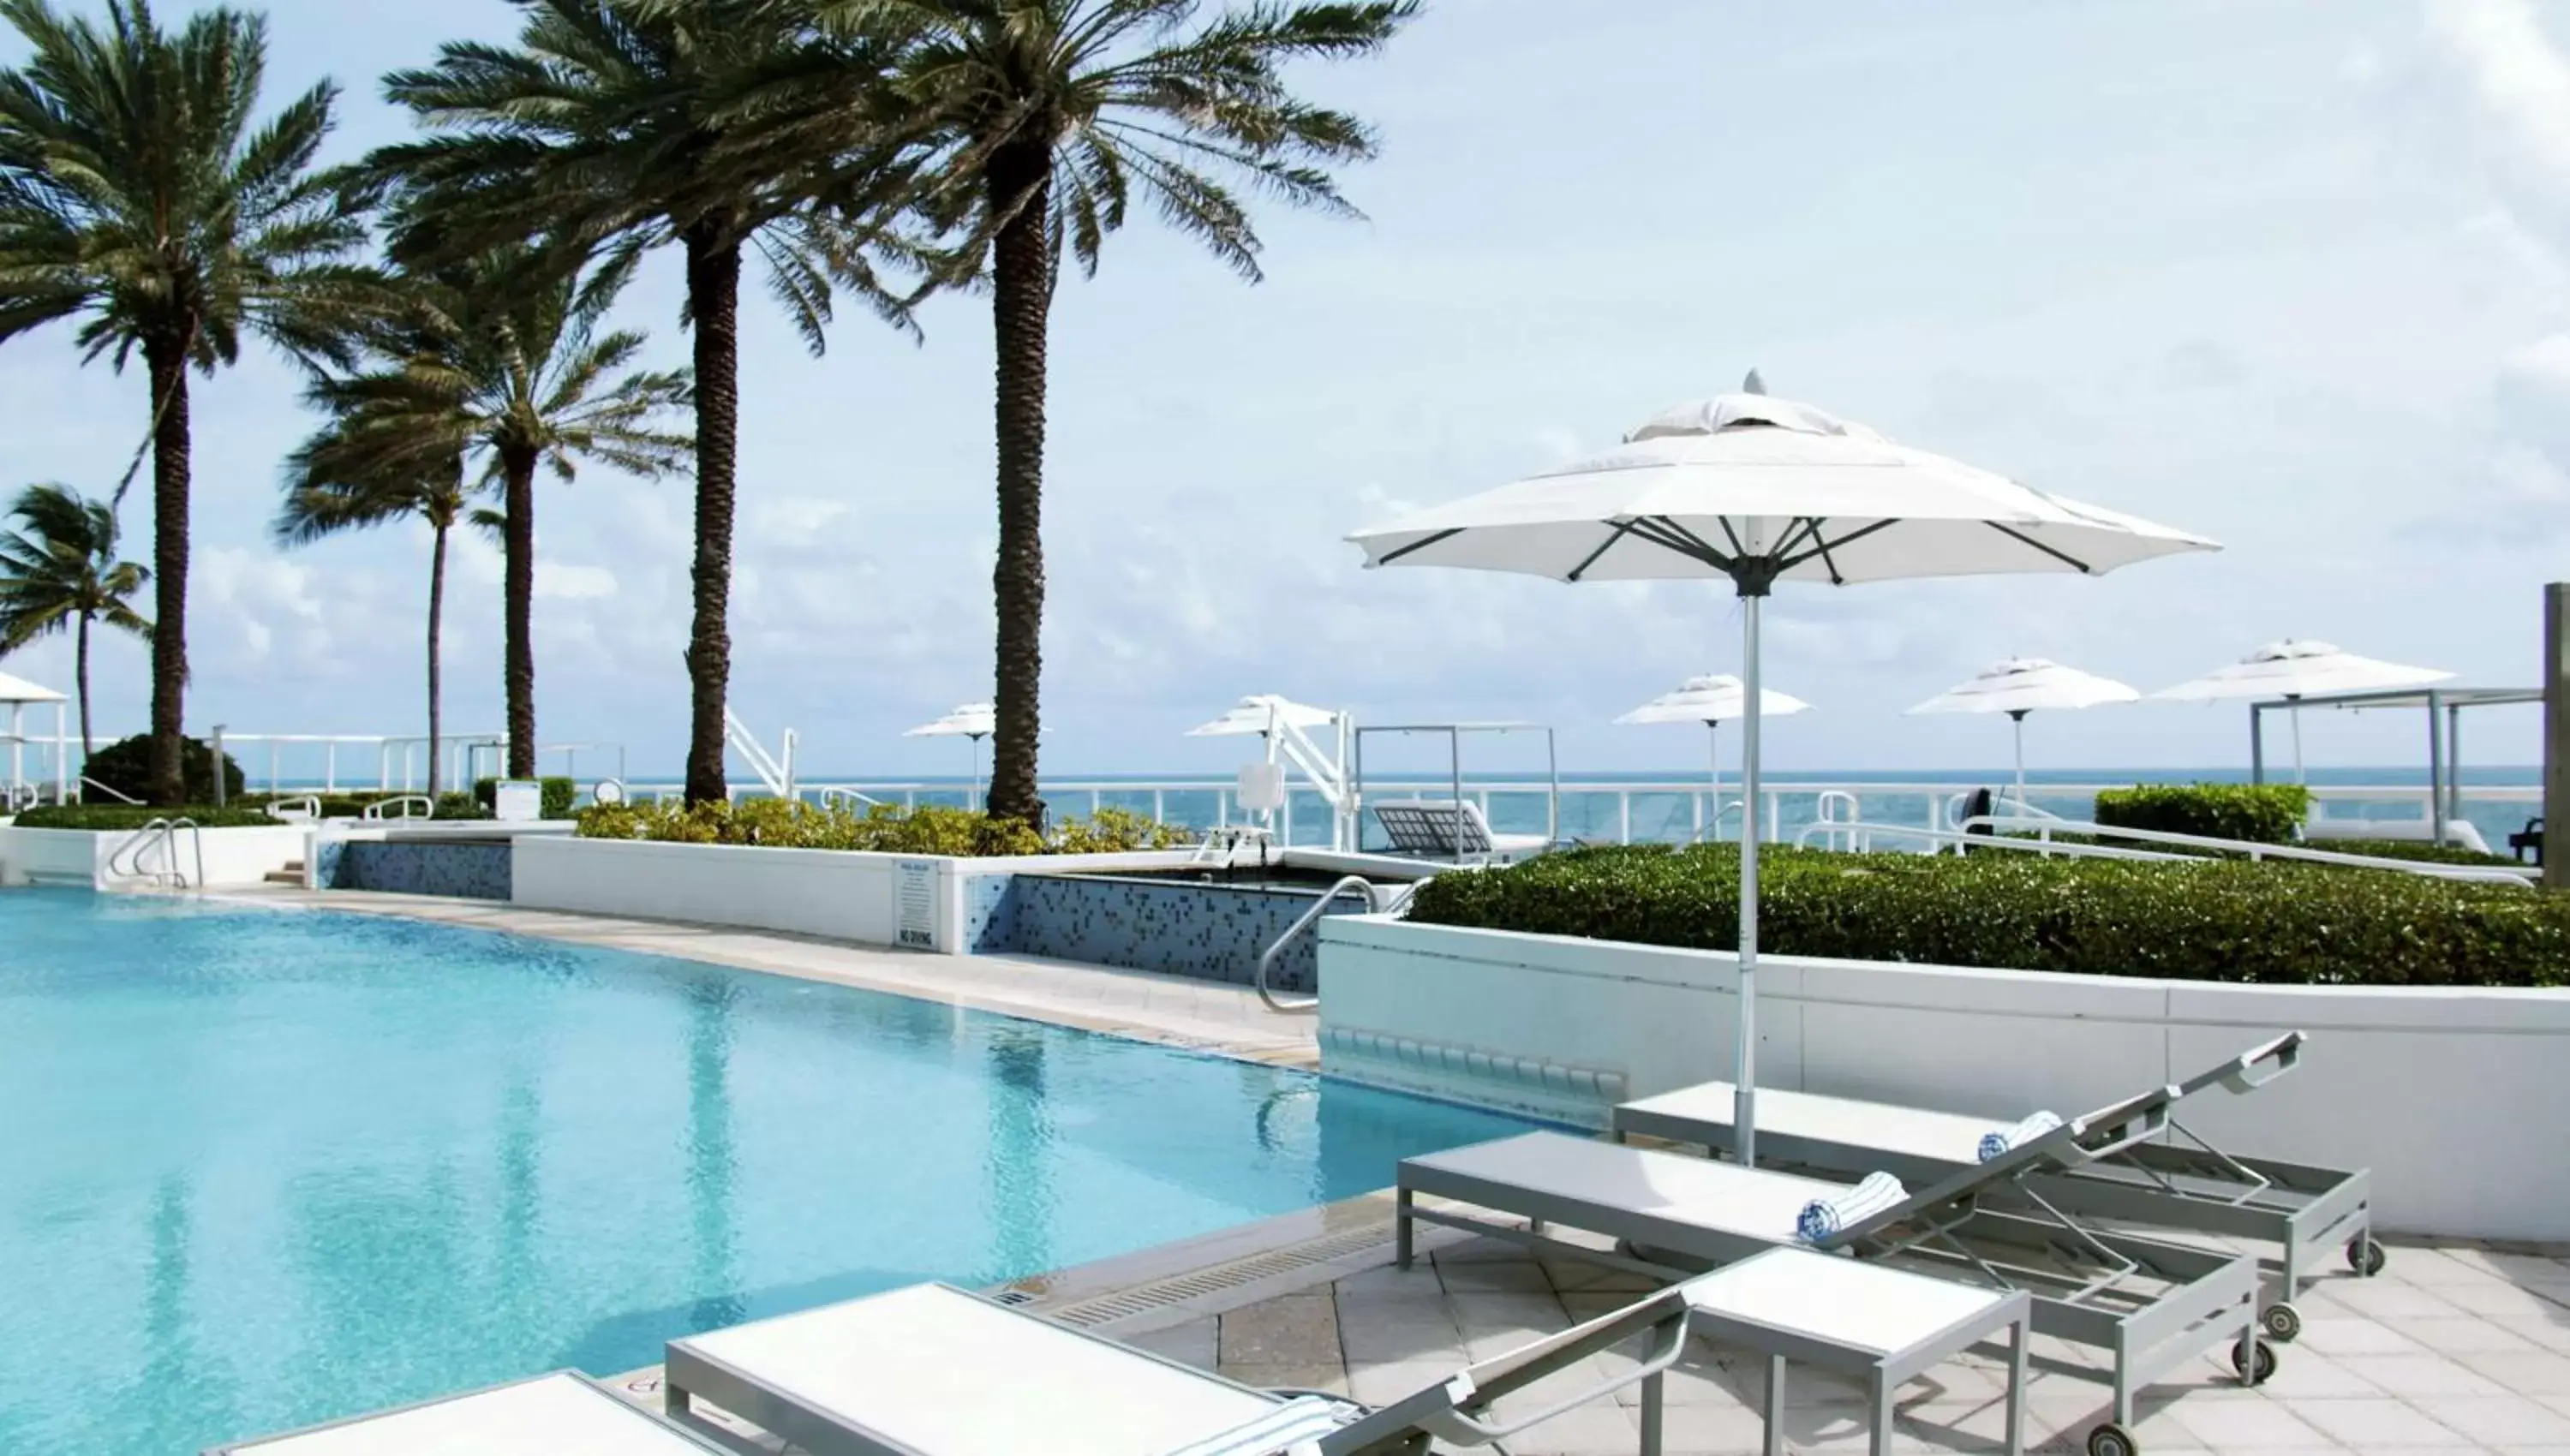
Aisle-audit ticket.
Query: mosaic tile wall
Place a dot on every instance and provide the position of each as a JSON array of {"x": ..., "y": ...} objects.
[
  {"x": 463, "y": 871},
  {"x": 1209, "y": 931}
]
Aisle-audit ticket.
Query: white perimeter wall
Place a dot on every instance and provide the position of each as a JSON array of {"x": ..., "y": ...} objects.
[
  {"x": 232, "y": 856},
  {"x": 837, "y": 894},
  {"x": 2458, "y": 1100}
]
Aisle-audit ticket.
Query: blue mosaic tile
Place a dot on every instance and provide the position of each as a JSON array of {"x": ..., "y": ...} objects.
[
  {"x": 461, "y": 871},
  {"x": 1208, "y": 932}
]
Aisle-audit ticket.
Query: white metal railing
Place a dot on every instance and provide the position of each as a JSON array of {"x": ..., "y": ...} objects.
[
  {"x": 1379, "y": 900},
  {"x": 295, "y": 810},
  {"x": 160, "y": 834},
  {"x": 404, "y": 806},
  {"x": 2043, "y": 829},
  {"x": 1862, "y": 835}
]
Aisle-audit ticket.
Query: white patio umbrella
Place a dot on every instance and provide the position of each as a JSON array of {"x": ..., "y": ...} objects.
[
  {"x": 15, "y": 694},
  {"x": 2019, "y": 686},
  {"x": 1709, "y": 700},
  {"x": 2298, "y": 668},
  {"x": 1756, "y": 491},
  {"x": 974, "y": 721},
  {"x": 1262, "y": 714}
]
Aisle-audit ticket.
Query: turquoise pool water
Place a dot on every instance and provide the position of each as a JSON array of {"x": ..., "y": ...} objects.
[{"x": 265, "y": 1168}]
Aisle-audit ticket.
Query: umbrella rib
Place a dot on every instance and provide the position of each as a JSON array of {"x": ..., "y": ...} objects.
[
  {"x": 2076, "y": 564},
  {"x": 1823, "y": 550},
  {"x": 1590, "y": 559},
  {"x": 1687, "y": 542},
  {"x": 1419, "y": 544}
]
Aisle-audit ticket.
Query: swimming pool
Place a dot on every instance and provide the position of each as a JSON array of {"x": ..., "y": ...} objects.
[{"x": 270, "y": 1166}]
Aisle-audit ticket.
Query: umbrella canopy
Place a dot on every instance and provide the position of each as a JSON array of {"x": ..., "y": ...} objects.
[
  {"x": 20, "y": 690},
  {"x": 972, "y": 720},
  {"x": 1263, "y": 713},
  {"x": 2019, "y": 686},
  {"x": 2300, "y": 669},
  {"x": 2024, "y": 684},
  {"x": 1756, "y": 491},
  {"x": 1718, "y": 698}
]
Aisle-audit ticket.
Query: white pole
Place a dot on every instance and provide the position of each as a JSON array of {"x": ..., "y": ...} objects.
[
  {"x": 17, "y": 745},
  {"x": 1743, "y": 1113},
  {"x": 2019, "y": 718},
  {"x": 61, "y": 759},
  {"x": 1713, "y": 752},
  {"x": 2299, "y": 776}
]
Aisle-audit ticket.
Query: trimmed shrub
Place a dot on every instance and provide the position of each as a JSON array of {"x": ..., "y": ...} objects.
[
  {"x": 105, "y": 817},
  {"x": 2217, "y": 920},
  {"x": 558, "y": 795},
  {"x": 927, "y": 830},
  {"x": 2266, "y": 813},
  {"x": 125, "y": 766}
]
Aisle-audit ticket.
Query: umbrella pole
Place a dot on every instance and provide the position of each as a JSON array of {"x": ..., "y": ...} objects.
[
  {"x": 972, "y": 795},
  {"x": 1713, "y": 751},
  {"x": 2299, "y": 776},
  {"x": 1744, "y": 1114},
  {"x": 2019, "y": 718}
]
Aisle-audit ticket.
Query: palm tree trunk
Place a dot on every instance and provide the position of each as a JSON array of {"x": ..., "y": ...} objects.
[
  {"x": 166, "y": 359},
  {"x": 1020, "y": 186},
  {"x": 518, "y": 470},
  {"x": 714, "y": 305},
  {"x": 79, "y": 684},
  {"x": 436, "y": 614}
]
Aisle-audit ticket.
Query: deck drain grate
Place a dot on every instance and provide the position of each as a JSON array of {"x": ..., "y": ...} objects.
[{"x": 1204, "y": 1283}]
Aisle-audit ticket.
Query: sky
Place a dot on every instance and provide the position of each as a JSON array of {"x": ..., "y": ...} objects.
[{"x": 2293, "y": 274}]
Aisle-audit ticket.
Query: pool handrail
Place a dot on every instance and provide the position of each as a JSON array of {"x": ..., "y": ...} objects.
[
  {"x": 2000, "y": 826},
  {"x": 1379, "y": 900}
]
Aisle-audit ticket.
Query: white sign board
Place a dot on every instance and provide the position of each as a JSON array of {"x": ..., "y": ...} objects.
[
  {"x": 914, "y": 904},
  {"x": 518, "y": 800}
]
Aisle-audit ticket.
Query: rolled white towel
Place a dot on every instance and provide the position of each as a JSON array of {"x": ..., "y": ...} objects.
[
  {"x": 1823, "y": 1217},
  {"x": 1995, "y": 1144},
  {"x": 1288, "y": 1430}
]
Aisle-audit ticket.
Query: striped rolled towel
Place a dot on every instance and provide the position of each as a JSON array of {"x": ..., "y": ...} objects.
[
  {"x": 1995, "y": 1144},
  {"x": 1823, "y": 1217}
]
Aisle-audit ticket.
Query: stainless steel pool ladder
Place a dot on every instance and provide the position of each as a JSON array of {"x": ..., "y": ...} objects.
[
  {"x": 1380, "y": 900},
  {"x": 162, "y": 833},
  {"x": 406, "y": 806}
]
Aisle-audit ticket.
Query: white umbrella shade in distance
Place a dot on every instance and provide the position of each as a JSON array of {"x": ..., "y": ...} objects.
[
  {"x": 1755, "y": 491},
  {"x": 1262, "y": 714},
  {"x": 2021, "y": 685},
  {"x": 1711, "y": 700},
  {"x": 2298, "y": 668},
  {"x": 974, "y": 721}
]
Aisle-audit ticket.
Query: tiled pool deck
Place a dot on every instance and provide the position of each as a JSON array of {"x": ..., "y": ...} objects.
[{"x": 2454, "y": 1347}]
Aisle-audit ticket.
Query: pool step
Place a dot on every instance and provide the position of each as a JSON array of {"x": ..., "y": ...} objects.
[{"x": 292, "y": 874}]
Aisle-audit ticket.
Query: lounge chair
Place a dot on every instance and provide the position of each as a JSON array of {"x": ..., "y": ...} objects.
[
  {"x": 2151, "y": 1306},
  {"x": 561, "y": 1414},
  {"x": 931, "y": 1370},
  {"x": 1450, "y": 829},
  {"x": 2189, "y": 1185}
]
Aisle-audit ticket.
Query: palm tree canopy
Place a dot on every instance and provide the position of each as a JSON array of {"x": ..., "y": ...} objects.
[
  {"x": 138, "y": 187},
  {"x": 1122, "y": 97},
  {"x": 617, "y": 120},
  {"x": 60, "y": 565},
  {"x": 498, "y": 356}
]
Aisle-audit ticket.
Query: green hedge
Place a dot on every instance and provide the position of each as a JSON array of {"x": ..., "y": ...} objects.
[
  {"x": 927, "y": 830},
  {"x": 559, "y": 794},
  {"x": 132, "y": 816},
  {"x": 2219, "y": 921},
  {"x": 2266, "y": 813},
  {"x": 125, "y": 766}
]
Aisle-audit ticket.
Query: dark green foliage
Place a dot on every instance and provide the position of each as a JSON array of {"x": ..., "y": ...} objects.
[
  {"x": 2266, "y": 813},
  {"x": 559, "y": 793},
  {"x": 883, "y": 828},
  {"x": 125, "y": 766},
  {"x": 2220, "y": 921},
  {"x": 107, "y": 817}
]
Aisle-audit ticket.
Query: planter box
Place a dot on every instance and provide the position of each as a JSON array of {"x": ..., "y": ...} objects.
[
  {"x": 919, "y": 902},
  {"x": 232, "y": 856},
  {"x": 2455, "y": 1098}
]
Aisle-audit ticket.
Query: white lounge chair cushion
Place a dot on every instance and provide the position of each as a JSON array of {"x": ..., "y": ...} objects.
[
  {"x": 1291, "y": 1429},
  {"x": 551, "y": 1415},
  {"x": 1995, "y": 1144},
  {"x": 1843, "y": 1121},
  {"x": 1757, "y": 1204}
]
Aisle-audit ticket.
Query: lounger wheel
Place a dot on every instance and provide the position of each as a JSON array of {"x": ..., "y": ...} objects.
[
  {"x": 2365, "y": 1255},
  {"x": 2111, "y": 1439},
  {"x": 2282, "y": 1322},
  {"x": 2265, "y": 1362}
]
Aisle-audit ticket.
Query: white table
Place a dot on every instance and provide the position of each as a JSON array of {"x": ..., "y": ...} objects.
[{"x": 1882, "y": 1324}]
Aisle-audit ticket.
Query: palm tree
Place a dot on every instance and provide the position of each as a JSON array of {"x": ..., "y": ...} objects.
[
  {"x": 61, "y": 571},
  {"x": 497, "y": 359},
  {"x": 139, "y": 190},
  {"x": 1040, "y": 119},
  {"x": 608, "y": 124}
]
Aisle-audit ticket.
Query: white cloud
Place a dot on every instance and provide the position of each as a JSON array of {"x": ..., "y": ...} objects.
[
  {"x": 2520, "y": 77},
  {"x": 564, "y": 581}
]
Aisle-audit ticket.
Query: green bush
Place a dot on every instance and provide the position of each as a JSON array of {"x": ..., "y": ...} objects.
[
  {"x": 125, "y": 766},
  {"x": 558, "y": 795},
  {"x": 2415, "y": 849},
  {"x": 2266, "y": 813},
  {"x": 100, "y": 816},
  {"x": 882, "y": 829},
  {"x": 2218, "y": 920}
]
